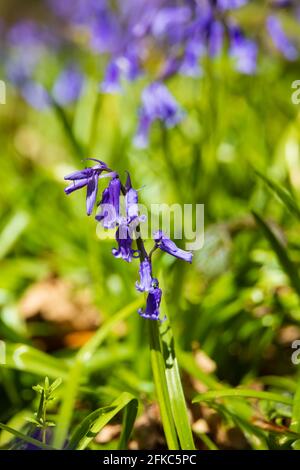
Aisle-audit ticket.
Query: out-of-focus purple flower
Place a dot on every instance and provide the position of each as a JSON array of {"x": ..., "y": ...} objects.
[
  {"x": 68, "y": 86},
  {"x": 157, "y": 104},
  {"x": 77, "y": 11},
  {"x": 170, "y": 22},
  {"x": 126, "y": 67},
  {"x": 105, "y": 32},
  {"x": 279, "y": 38},
  {"x": 124, "y": 240},
  {"x": 36, "y": 95},
  {"x": 146, "y": 281},
  {"x": 282, "y": 3},
  {"x": 152, "y": 311},
  {"x": 190, "y": 65},
  {"x": 110, "y": 204},
  {"x": 230, "y": 4},
  {"x": 243, "y": 51},
  {"x": 167, "y": 245},
  {"x": 30, "y": 34},
  {"x": 89, "y": 178},
  {"x": 215, "y": 39}
]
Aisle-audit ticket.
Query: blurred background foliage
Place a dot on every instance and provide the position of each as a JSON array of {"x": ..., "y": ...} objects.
[{"x": 235, "y": 311}]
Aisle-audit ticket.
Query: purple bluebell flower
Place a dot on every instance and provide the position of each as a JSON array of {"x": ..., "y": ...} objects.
[
  {"x": 68, "y": 86},
  {"x": 170, "y": 21},
  {"x": 167, "y": 245},
  {"x": 230, "y": 4},
  {"x": 152, "y": 311},
  {"x": 215, "y": 38},
  {"x": 157, "y": 104},
  {"x": 123, "y": 67},
  {"x": 28, "y": 34},
  {"x": 110, "y": 204},
  {"x": 36, "y": 95},
  {"x": 243, "y": 51},
  {"x": 146, "y": 281},
  {"x": 280, "y": 39},
  {"x": 89, "y": 178},
  {"x": 124, "y": 240},
  {"x": 190, "y": 66}
]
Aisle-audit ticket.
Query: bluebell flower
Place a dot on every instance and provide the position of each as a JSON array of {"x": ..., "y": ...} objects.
[
  {"x": 157, "y": 104},
  {"x": 152, "y": 311},
  {"x": 167, "y": 245},
  {"x": 190, "y": 64},
  {"x": 224, "y": 5},
  {"x": 170, "y": 22},
  {"x": 68, "y": 86},
  {"x": 124, "y": 240},
  {"x": 89, "y": 178},
  {"x": 243, "y": 51},
  {"x": 146, "y": 281},
  {"x": 123, "y": 67},
  {"x": 280, "y": 39},
  {"x": 35, "y": 95},
  {"x": 110, "y": 204},
  {"x": 215, "y": 38}
]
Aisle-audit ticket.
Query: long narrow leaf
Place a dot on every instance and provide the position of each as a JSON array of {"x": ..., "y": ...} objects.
[
  {"x": 243, "y": 393},
  {"x": 285, "y": 197},
  {"x": 281, "y": 252},
  {"x": 177, "y": 399},
  {"x": 25, "y": 438},
  {"x": 94, "y": 422},
  {"x": 159, "y": 377}
]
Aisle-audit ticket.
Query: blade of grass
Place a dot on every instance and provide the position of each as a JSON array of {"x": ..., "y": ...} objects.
[
  {"x": 243, "y": 393},
  {"x": 94, "y": 422},
  {"x": 25, "y": 438},
  {"x": 26, "y": 358},
  {"x": 284, "y": 196},
  {"x": 74, "y": 378},
  {"x": 295, "y": 424},
  {"x": 129, "y": 418},
  {"x": 280, "y": 251}
]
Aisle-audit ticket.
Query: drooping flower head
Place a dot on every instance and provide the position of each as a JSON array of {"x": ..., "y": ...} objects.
[
  {"x": 88, "y": 177},
  {"x": 157, "y": 104},
  {"x": 152, "y": 311},
  {"x": 68, "y": 86},
  {"x": 146, "y": 281},
  {"x": 110, "y": 204},
  {"x": 280, "y": 39},
  {"x": 168, "y": 246},
  {"x": 124, "y": 240}
]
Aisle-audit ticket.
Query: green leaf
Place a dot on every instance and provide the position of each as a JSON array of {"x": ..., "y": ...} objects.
[
  {"x": 28, "y": 359},
  {"x": 295, "y": 424},
  {"x": 81, "y": 360},
  {"x": 129, "y": 418},
  {"x": 285, "y": 197},
  {"x": 94, "y": 422},
  {"x": 160, "y": 381},
  {"x": 25, "y": 438},
  {"x": 177, "y": 399},
  {"x": 281, "y": 252},
  {"x": 243, "y": 393}
]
